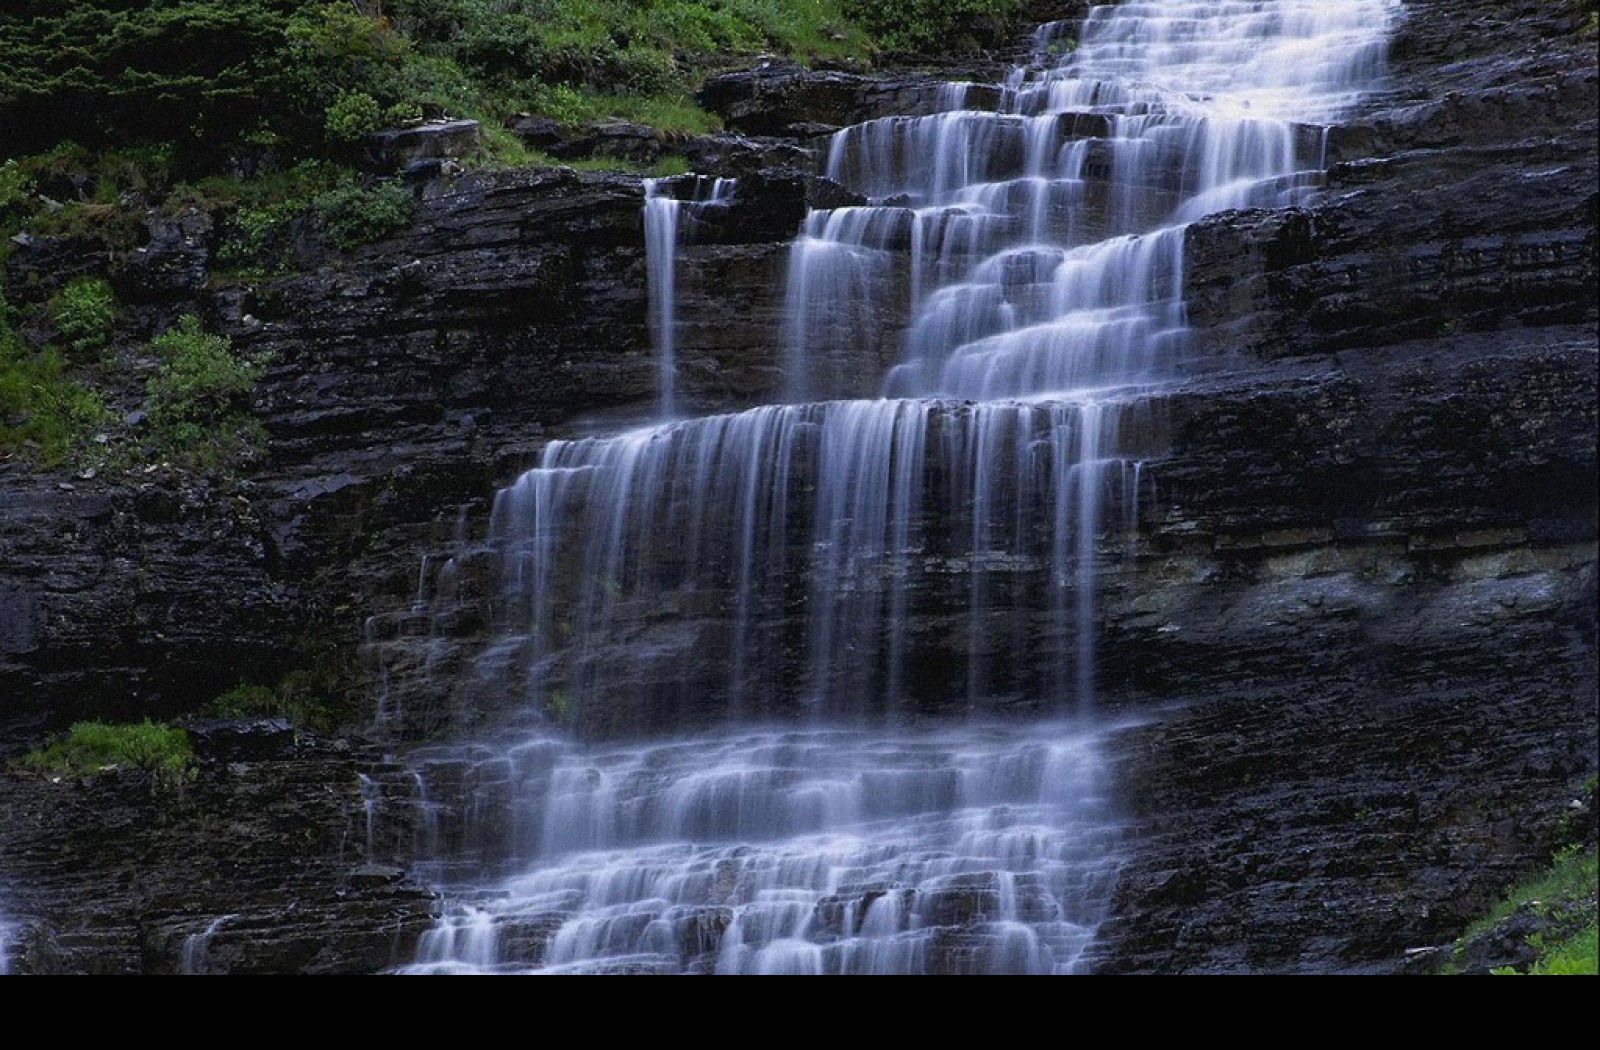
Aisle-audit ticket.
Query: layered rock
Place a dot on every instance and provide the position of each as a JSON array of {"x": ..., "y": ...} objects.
[{"x": 252, "y": 865}]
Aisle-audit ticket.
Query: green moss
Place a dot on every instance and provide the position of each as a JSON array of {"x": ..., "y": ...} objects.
[{"x": 89, "y": 748}]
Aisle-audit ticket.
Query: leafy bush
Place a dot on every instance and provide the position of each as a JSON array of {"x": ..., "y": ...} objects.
[
  {"x": 1577, "y": 955},
  {"x": 353, "y": 116},
  {"x": 16, "y": 186},
  {"x": 44, "y": 414},
  {"x": 199, "y": 398},
  {"x": 95, "y": 747},
  {"x": 931, "y": 25},
  {"x": 85, "y": 313},
  {"x": 354, "y": 215},
  {"x": 244, "y": 700},
  {"x": 305, "y": 698}
]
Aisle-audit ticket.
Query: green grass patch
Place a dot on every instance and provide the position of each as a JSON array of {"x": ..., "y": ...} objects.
[
  {"x": 89, "y": 748},
  {"x": 308, "y": 699},
  {"x": 1563, "y": 898}
]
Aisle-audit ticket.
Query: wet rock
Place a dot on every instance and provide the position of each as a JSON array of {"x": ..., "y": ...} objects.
[
  {"x": 396, "y": 149},
  {"x": 802, "y": 103}
]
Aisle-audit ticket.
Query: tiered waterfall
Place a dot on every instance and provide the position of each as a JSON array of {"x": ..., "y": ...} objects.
[{"x": 859, "y": 581}]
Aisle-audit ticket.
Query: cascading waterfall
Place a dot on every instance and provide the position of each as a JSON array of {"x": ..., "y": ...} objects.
[
  {"x": 823, "y": 851},
  {"x": 933, "y": 550}
]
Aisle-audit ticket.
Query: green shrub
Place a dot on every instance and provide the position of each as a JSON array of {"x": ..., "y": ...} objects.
[
  {"x": 258, "y": 235},
  {"x": 934, "y": 25},
  {"x": 309, "y": 700},
  {"x": 643, "y": 71},
  {"x": 16, "y": 187},
  {"x": 353, "y": 116},
  {"x": 96, "y": 747},
  {"x": 85, "y": 313},
  {"x": 354, "y": 215},
  {"x": 199, "y": 399},
  {"x": 45, "y": 415},
  {"x": 256, "y": 239},
  {"x": 245, "y": 700}
]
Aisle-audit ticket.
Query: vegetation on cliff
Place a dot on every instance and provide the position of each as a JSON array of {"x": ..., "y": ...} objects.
[
  {"x": 212, "y": 76},
  {"x": 1545, "y": 926},
  {"x": 95, "y": 747},
  {"x": 258, "y": 114},
  {"x": 1548, "y": 924}
]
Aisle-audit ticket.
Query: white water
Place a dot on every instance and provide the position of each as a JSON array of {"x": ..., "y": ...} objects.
[
  {"x": 938, "y": 545},
  {"x": 664, "y": 219},
  {"x": 783, "y": 851},
  {"x": 196, "y": 947}
]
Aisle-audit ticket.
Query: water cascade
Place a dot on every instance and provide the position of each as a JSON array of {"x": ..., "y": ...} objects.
[
  {"x": 928, "y": 548},
  {"x": 664, "y": 217}
]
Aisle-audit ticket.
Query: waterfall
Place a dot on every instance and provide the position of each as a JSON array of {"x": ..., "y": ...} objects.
[
  {"x": 197, "y": 946},
  {"x": 873, "y": 558},
  {"x": 988, "y": 849},
  {"x": 664, "y": 217}
]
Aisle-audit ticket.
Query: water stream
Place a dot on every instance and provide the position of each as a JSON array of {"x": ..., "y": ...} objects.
[{"x": 873, "y": 558}]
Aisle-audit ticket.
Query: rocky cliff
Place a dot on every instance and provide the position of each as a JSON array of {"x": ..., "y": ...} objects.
[{"x": 1361, "y": 597}]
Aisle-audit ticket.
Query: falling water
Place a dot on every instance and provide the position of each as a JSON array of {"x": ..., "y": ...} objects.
[
  {"x": 871, "y": 560},
  {"x": 664, "y": 217},
  {"x": 988, "y": 849},
  {"x": 196, "y": 947}
]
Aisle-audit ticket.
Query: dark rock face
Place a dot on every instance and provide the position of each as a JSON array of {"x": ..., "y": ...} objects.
[
  {"x": 401, "y": 149},
  {"x": 790, "y": 100},
  {"x": 1358, "y": 613},
  {"x": 253, "y": 867}
]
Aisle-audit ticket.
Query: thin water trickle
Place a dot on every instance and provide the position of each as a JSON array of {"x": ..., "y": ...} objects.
[
  {"x": 665, "y": 219},
  {"x": 197, "y": 946},
  {"x": 932, "y": 546}
]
